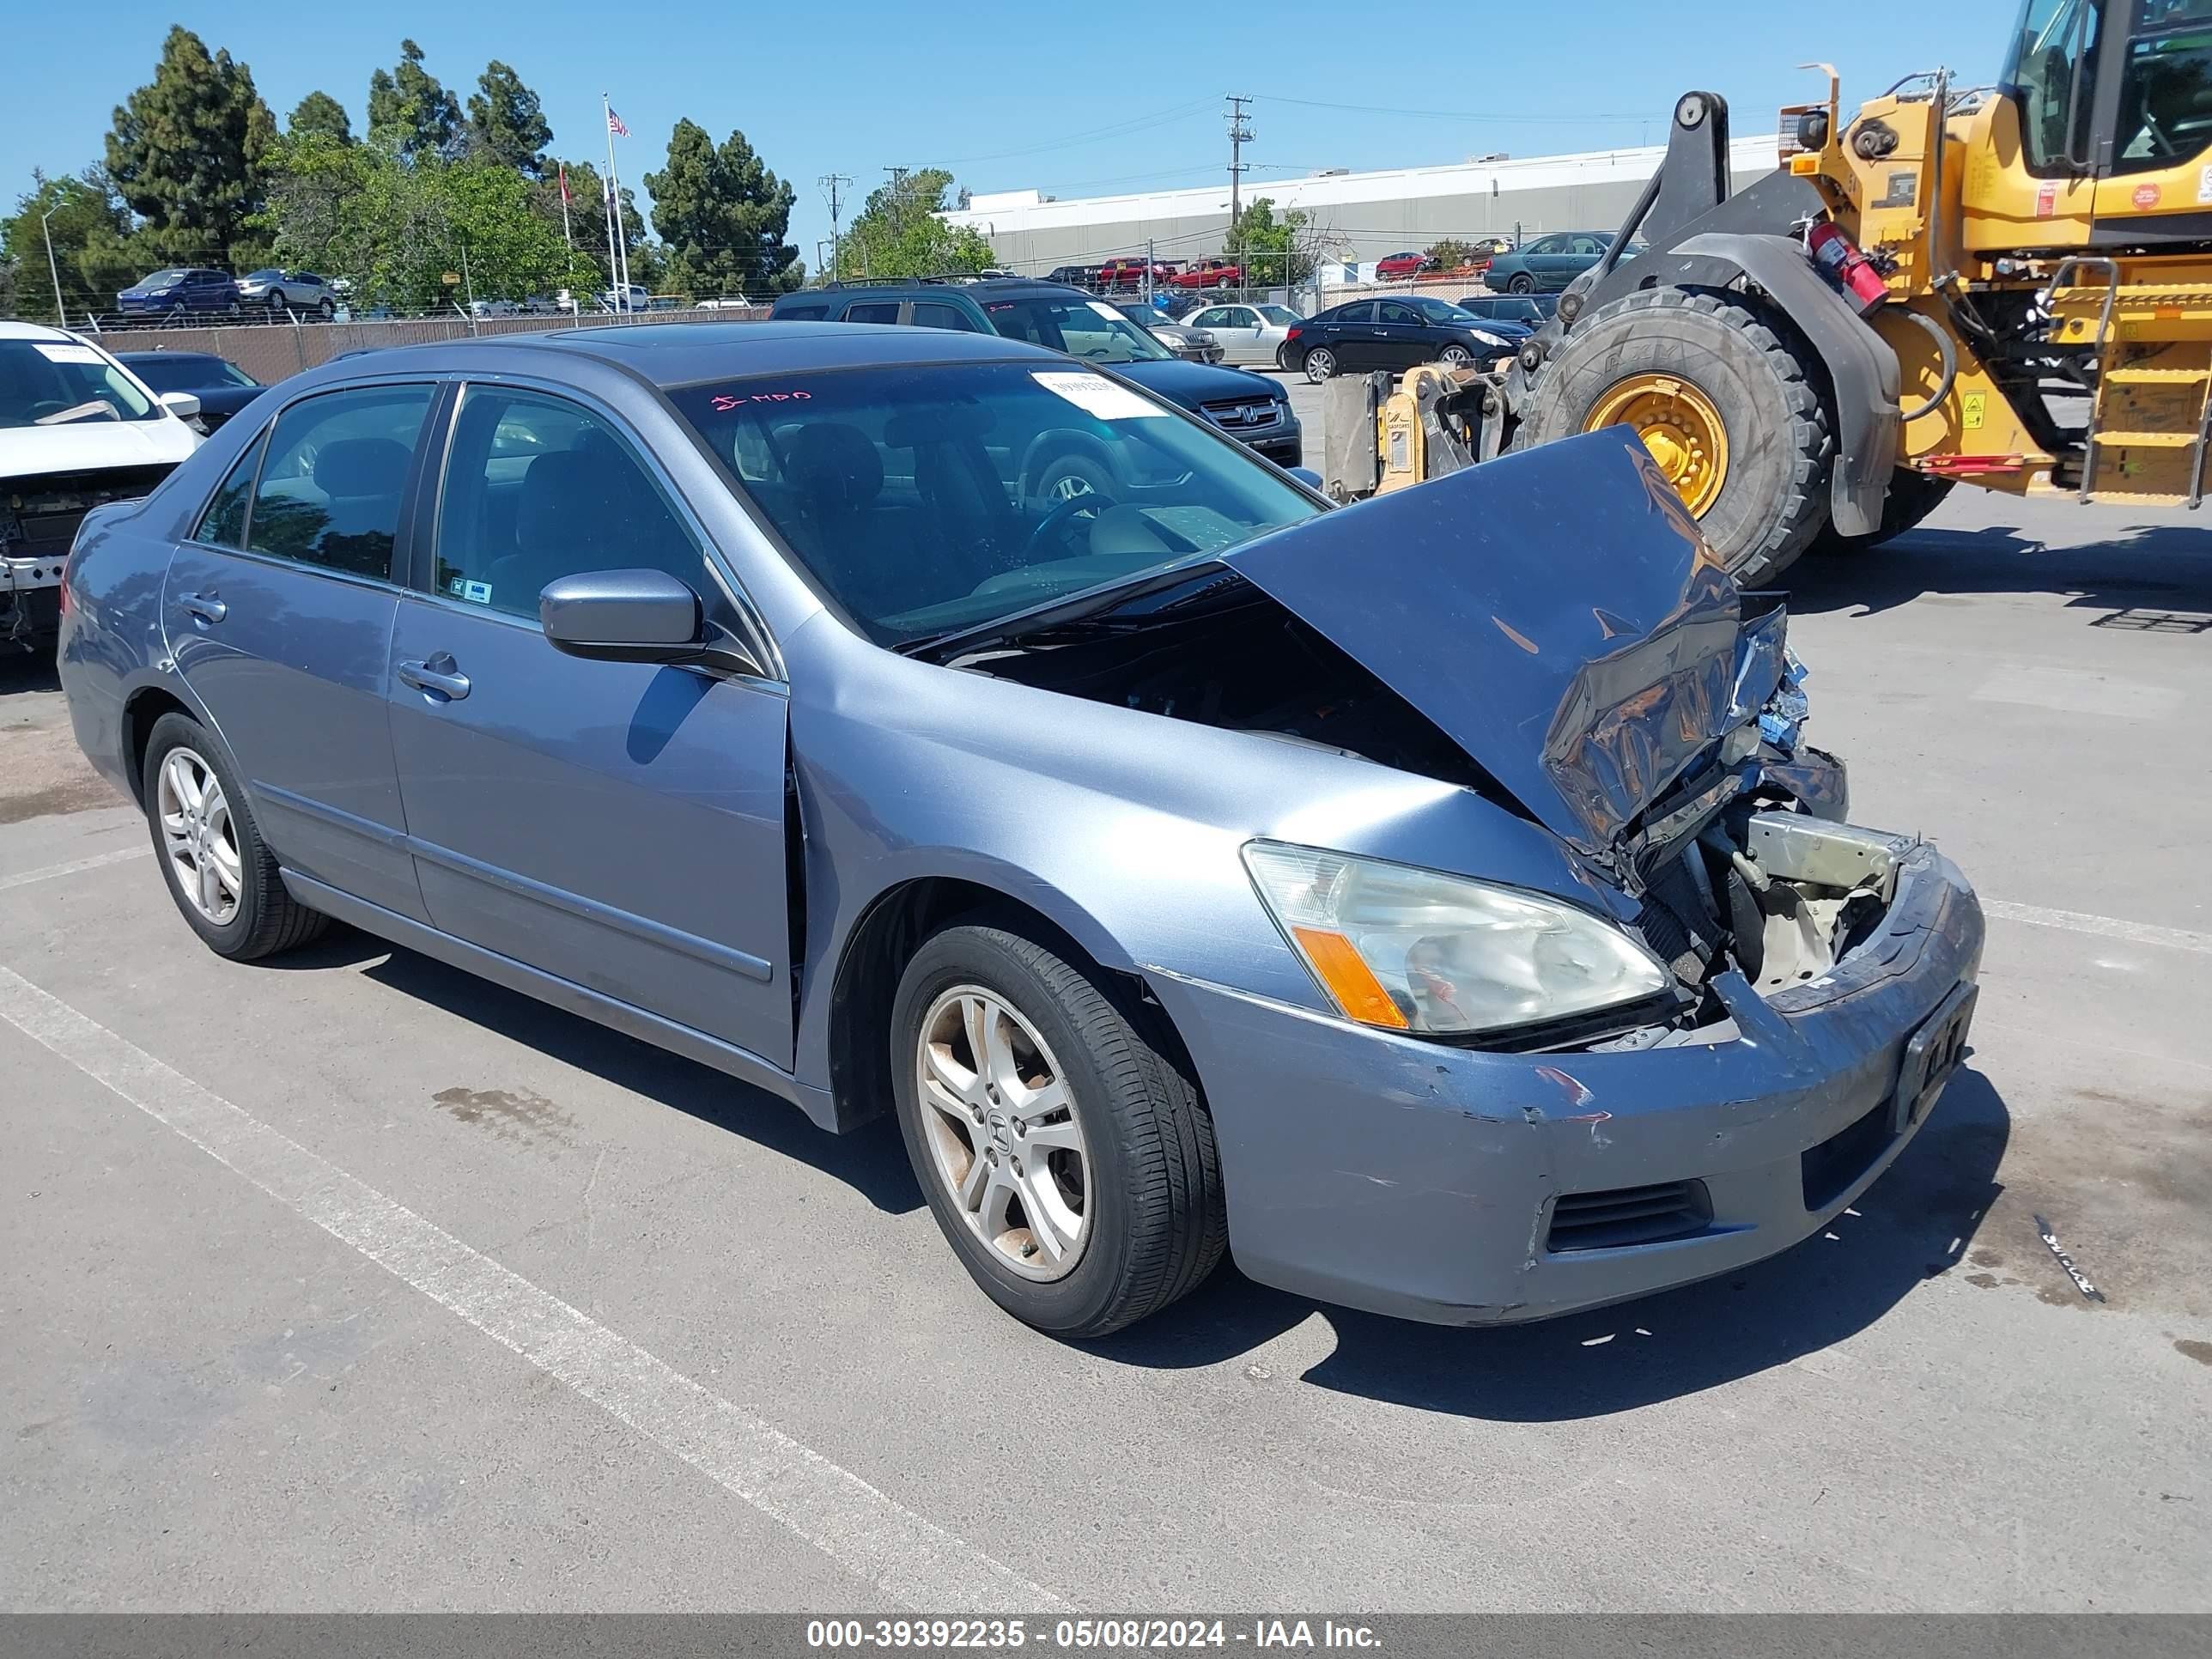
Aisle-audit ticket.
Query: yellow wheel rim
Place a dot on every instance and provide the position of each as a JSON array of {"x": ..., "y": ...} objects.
[{"x": 1680, "y": 427}]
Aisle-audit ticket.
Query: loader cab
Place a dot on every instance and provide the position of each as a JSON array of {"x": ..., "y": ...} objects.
[{"x": 2113, "y": 100}]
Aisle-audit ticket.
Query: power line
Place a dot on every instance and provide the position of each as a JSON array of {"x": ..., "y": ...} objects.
[
  {"x": 1135, "y": 123},
  {"x": 829, "y": 182},
  {"x": 1628, "y": 118}
]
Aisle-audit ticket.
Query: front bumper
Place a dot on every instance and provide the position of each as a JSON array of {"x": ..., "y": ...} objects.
[{"x": 1421, "y": 1180}]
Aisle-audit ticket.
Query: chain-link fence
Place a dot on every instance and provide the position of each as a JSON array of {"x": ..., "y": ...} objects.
[{"x": 270, "y": 353}]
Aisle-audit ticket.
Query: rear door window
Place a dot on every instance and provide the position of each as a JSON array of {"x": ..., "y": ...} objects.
[
  {"x": 874, "y": 311},
  {"x": 336, "y": 471},
  {"x": 223, "y": 524},
  {"x": 933, "y": 313},
  {"x": 1361, "y": 311}
]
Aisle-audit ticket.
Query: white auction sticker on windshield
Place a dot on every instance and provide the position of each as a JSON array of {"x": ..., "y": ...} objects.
[
  {"x": 1105, "y": 310},
  {"x": 67, "y": 354},
  {"x": 1094, "y": 394}
]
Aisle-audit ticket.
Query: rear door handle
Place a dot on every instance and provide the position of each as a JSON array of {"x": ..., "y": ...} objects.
[
  {"x": 204, "y": 606},
  {"x": 439, "y": 678}
]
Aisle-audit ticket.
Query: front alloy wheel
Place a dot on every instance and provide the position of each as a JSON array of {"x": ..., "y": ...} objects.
[{"x": 1003, "y": 1131}]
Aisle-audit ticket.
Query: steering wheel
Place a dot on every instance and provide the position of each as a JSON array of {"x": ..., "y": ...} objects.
[{"x": 1058, "y": 519}]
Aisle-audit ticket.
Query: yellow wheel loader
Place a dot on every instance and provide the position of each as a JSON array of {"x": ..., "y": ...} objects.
[{"x": 2008, "y": 285}]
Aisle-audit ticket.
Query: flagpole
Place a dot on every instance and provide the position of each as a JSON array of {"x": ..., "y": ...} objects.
[
  {"x": 565, "y": 236},
  {"x": 614, "y": 208}
]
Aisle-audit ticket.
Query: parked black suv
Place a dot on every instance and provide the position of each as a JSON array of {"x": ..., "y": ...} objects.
[{"x": 1251, "y": 408}]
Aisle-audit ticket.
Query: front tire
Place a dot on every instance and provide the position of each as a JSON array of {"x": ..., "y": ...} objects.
[
  {"x": 220, "y": 873},
  {"x": 1064, "y": 1151},
  {"x": 1721, "y": 402},
  {"x": 1455, "y": 357},
  {"x": 1319, "y": 364}
]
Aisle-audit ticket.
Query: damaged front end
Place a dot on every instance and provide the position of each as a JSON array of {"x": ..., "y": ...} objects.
[{"x": 1553, "y": 632}]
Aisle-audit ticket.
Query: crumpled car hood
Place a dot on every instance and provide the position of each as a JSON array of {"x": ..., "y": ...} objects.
[{"x": 1555, "y": 612}]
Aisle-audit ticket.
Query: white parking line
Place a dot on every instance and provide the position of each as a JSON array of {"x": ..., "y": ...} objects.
[
  {"x": 26, "y": 877},
  {"x": 2081, "y": 921},
  {"x": 864, "y": 1531}
]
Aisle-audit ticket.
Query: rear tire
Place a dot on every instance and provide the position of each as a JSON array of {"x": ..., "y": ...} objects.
[
  {"x": 1912, "y": 496},
  {"x": 1153, "y": 1221},
  {"x": 264, "y": 918},
  {"x": 1319, "y": 364},
  {"x": 1773, "y": 496},
  {"x": 1520, "y": 282}
]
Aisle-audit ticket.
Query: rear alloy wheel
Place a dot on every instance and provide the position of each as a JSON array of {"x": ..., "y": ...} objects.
[
  {"x": 1520, "y": 282},
  {"x": 223, "y": 878},
  {"x": 1064, "y": 1151},
  {"x": 1319, "y": 364},
  {"x": 1719, "y": 400}
]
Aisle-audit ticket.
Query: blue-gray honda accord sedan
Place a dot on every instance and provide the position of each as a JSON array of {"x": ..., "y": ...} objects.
[{"x": 1430, "y": 901}]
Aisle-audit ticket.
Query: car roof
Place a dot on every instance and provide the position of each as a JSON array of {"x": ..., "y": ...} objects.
[
  {"x": 918, "y": 285},
  {"x": 163, "y": 353},
  {"x": 684, "y": 353},
  {"x": 33, "y": 332}
]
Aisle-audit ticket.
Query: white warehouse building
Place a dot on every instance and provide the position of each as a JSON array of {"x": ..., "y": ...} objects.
[{"x": 1355, "y": 216}]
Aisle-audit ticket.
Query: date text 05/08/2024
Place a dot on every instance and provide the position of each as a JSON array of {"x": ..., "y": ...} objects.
[{"x": 1084, "y": 1634}]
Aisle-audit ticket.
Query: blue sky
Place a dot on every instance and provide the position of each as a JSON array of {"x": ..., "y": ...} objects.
[{"x": 1074, "y": 100}]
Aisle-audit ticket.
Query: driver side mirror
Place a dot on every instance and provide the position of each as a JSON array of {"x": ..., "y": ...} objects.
[
  {"x": 637, "y": 616},
  {"x": 184, "y": 405}
]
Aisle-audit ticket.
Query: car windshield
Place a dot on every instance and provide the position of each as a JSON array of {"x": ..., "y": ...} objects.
[
  {"x": 265, "y": 275},
  {"x": 1082, "y": 328},
  {"x": 161, "y": 277},
  {"x": 932, "y": 498},
  {"x": 169, "y": 372},
  {"x": 60, "y": 382},
  {"x": 1434, "y": 310}
]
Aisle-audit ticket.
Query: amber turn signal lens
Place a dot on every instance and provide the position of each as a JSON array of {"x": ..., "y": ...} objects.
[{"x": 1349, "y": 979}]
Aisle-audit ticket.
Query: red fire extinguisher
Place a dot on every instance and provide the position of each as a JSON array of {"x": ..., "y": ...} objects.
[{"x": 1848, "y": 268}]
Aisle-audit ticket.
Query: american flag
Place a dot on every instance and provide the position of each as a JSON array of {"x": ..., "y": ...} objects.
[
  {"x": 614, "y": 123},
  {"x": 564, "y": 181}
]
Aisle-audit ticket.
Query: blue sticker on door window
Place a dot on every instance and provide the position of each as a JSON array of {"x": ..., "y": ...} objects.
[{"x": 475, "y": 593}]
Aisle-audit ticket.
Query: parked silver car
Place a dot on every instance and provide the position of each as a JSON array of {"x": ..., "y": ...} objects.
[
  {"x": 1430, "y": 902},
  {"x": 1248, "y": 333},
  {"x": 300, "y": 292}
]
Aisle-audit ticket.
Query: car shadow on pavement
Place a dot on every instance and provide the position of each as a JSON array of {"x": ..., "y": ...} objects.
[
  {"x": 2149, "y": 578},
  {"x": 27, "y": 670},
  {"x": 1916, "y": 1222},
  {"x": 872, "y": 1160}
]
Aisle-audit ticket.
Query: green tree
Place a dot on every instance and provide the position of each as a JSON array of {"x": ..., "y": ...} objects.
[
  {"x": 93, "y": 252},
  {"x": 186, "y": 153},
  {"x": 1449, "y": 253},
  {"x": 321, "y": 112},
  {"x": 722, "y": 217},
  {"x": 396, "y": 228},
  {"x": 507, "y": 124},
  {"x": 410, "y": 113},
  {"x": 898, "y": 232},
  {"x": 1271, "y": 250}
]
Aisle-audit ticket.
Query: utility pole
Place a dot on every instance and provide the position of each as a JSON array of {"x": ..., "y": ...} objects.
[
  {"x": 1240, "y": 134},
  {"x": 831, "y": 183},
  {"x": 61, "y": 313}
]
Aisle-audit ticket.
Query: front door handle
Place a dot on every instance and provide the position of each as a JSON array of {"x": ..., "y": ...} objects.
[
  {"x": 204, "y": 606},
  {"x": 438, "y": 679}
]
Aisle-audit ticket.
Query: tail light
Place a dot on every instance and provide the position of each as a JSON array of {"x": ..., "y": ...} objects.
[{"x": 1290, "y": 334}]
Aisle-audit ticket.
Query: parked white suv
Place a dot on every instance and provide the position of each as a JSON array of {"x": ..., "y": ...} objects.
[
  {"x": 300, "y": 292},
  {"x": 76, "y": 429}
]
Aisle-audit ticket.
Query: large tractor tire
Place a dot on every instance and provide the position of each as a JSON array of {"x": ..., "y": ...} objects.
[
  {"x": 1912, "y": 496},
  {"x": 1720, "y": 401}
]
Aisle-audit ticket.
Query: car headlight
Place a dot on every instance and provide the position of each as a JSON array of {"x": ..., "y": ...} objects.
[{"x": 1419, "y": 950}]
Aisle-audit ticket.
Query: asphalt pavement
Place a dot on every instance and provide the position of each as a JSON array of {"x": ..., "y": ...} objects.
[{"x": 348, "y": 1282}]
